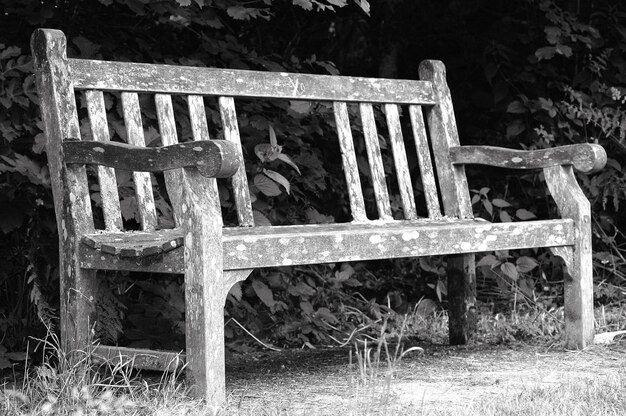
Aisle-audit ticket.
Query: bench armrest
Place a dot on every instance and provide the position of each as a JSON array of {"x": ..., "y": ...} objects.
[
  {"x": 212, "y": 158},
  {"x": 584, "y": 158}
]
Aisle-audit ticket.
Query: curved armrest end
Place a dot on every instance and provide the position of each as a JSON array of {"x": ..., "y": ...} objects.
[
  {"x": 212, "y": 158},
  {"x": 591, "y": 159}
]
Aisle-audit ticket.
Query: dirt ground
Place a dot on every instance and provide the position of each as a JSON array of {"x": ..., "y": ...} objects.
[{"x": 441, "y": 380}]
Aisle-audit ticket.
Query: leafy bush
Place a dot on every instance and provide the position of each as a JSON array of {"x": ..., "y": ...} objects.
[{"x": 530, "y": 74}]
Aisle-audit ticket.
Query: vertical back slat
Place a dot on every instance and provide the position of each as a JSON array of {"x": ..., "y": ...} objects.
[
  {"x": 426, "y": 165},
  {"x": 348, "y": 157},
  {"x": 143, "y": 184},
  {"x": 375, "y": 161},
  {"x": 400, "y": 161},
  {"x": 200, "y": 130},
  {"x": 239, "y": 180},
  {"x": 167, "y": 128},
  {"x": 106, "y": 176}
]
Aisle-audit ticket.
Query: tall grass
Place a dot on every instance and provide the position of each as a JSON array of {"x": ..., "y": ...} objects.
[{"x": 79, "y": 385}]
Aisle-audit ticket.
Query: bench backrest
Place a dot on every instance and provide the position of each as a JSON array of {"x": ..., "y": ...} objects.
[{"x": 72, "y": 85}]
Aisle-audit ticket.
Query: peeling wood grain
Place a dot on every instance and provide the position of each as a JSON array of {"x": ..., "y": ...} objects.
[
  {"x": 204, "y": 289},
  {"x": 249, "y": 248},
  {"x": 200, "y": 131},
  {"x": 586, "y": 158},
  {"x": 136, "y": 243},
  {"x": 462, "y": 318},
  {"x": 140, "y": 358},
  {"x": 443, "y": 136},
  {"x": 106, "y": 175},
  {"x": 239, "y": 180},
  {"x": 375, "y": 161},
  {"x": 69, "y": 187},
  {"x": 142, "y": 181},
  {"x": 402, "y": 166},
  {"x": 101, "y": 75},
  {"x": 454, "y": 195},
  {"x": 431, "y": 194},
  {"x": 213, "y": 159},
  {"x": 578, "y": 302},
  {"x": 169, "y": 136},
  {"x": 348, "y": 157}
]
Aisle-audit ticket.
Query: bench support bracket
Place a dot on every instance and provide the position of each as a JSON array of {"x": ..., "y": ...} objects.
[{"x": 578, "y": 296}]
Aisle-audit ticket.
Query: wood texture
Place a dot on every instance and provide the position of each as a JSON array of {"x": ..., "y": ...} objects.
[
  {"x": 204, "y": 289},
  {"x": 106, "y": 175},
  {"x": 443, "y": 136},
  {"x": 101, "y": 75},
  {"x": 139, "y": 358},
  {"x": 586, "y": 158},
  {"x": 431, "y": 194},
  {"x": 200, "y": 131},
  {"x": 375, "y": 161},
  {"x": 578, "y": 296},
  {"x": 69, "y": 188},
  {"x": 136, "y": 243},
  {"x": 241, "y": 190},
  {"x": 455, "y": 197},
  {"x": 399, "y": 157},
  {"x": 213, "y": 159},
  {"x": 169, "y": 136},
  {"x": 142, "y": 181},
  {"x": 350, "y": 167},
  {"x": 249, "y": 248}
]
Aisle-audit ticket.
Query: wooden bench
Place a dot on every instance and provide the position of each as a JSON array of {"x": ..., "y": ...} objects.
[{"x": 213, "y": 257}]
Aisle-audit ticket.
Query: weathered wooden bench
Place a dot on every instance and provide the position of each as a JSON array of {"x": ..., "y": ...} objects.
[{"x": 213, "y": 257}]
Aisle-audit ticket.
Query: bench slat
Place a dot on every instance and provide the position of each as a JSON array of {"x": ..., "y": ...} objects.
[
  {"x": 200, "y": 130},
  {"x": 169, "y": 136},
  {"x": 402, "y": 166},
  {"x": 239, "y": 179},
  {"x": 350, "y": 167},
  {"x": 143, "y": 184},
  {"x": 106, "y": 175},
  {"x": 375, "y": 160},
  {"x": 247, "y": 248},
  {"x": 425, "y": 162},
  {"x": 101, "y": 75},
  {"x": 139, "y": 357}
]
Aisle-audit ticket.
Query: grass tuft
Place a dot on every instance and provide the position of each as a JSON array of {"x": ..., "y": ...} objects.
[{"x": 75, "y": 384}]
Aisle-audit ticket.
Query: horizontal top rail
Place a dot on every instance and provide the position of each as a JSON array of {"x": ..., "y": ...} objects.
[{"x": 158, "y": 78}]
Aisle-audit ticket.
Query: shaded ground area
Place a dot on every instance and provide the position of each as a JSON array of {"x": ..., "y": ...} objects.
[{"x": 441, "y": 380}]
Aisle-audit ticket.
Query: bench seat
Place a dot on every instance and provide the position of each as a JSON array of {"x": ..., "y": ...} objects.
[{"x": 249, "y": 248}]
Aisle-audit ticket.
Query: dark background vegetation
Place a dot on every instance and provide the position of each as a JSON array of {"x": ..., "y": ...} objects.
[{"x": 524, "y": 74}]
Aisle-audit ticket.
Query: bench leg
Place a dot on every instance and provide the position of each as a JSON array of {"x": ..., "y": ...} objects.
[
  {"x": 461, "y": 272},
  {"x": 204, "y": 292},
  {"x": 578, "y": 296},
  {"x": 77, "y": 312}
]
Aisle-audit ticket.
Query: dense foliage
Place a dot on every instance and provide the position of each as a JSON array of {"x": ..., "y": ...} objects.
[{"x": 529, "y": 74}]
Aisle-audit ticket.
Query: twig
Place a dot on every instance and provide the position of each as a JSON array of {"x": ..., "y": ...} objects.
[{"x": 269, "y": 347}]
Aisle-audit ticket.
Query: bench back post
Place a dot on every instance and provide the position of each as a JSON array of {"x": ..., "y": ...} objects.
[
  {"x": 69, "y": 183},
  {"x": 461, "y": 269},
  {"x": 444, "y": 135}
]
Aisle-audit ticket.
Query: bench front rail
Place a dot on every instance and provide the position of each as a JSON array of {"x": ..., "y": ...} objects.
[{"x": 213, "y": 257}]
